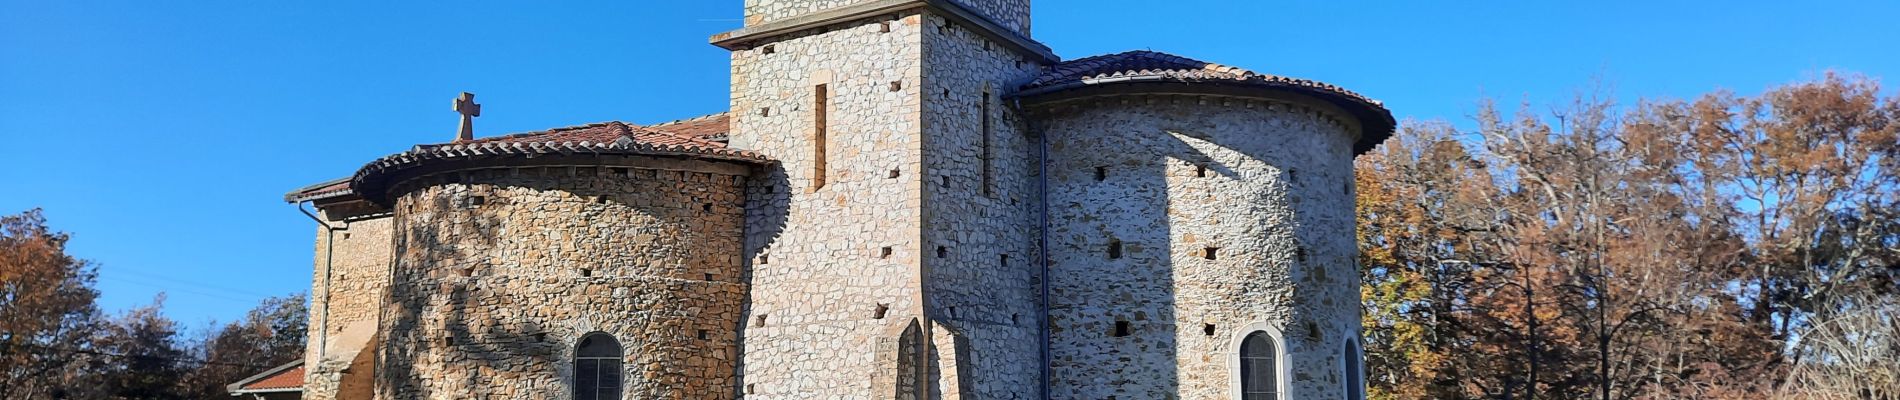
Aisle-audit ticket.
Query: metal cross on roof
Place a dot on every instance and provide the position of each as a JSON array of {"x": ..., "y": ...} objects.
[{"x": 465, "y": 104}]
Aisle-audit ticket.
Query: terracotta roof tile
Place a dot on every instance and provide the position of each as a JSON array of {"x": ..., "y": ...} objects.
[
  {"x": 707, "y": 127},
  {"x": 286, "y": 379},
  {"x": 283, "y": 378},
  {"x": 613, "y": 136},
  {"x": 603, "y": 132},
  {"x": 605, "y": 138},
  {"x": 323, "y": 190},
  {"x": 1150, "y": 66}
]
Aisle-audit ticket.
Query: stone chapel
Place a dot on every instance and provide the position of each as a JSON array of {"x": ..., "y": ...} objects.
[{"x": 907, "y": 199}]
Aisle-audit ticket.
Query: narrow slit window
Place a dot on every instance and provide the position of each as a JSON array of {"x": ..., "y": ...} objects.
[
  {"x": 1101, "y": 174},
  {"x": 1114, "y": 249},
  {"x": 988, "y": 175},
  {"x": 1211, "y": 253},
  {"x": 820, "y": 106},
  {"x": 1121, "y": 329}
]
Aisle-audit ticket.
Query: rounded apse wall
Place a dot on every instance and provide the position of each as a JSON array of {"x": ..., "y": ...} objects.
[
  {"x": 498, "y": 273},
  {"x": 1180, "y": 224}
]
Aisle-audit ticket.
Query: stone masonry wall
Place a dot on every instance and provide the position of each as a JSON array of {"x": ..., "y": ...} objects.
[
  {"x": 982, "y": 287},
  {"x": 1266, "y": 186},
  {"x": 834, "y": 270},
  {"x": 350, "y": 292},
  {"x": 1010, "y": 14},
  {"x": 499, "y": 272}
]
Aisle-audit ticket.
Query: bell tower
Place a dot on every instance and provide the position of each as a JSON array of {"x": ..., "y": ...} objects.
[
  {"x": 1012, "y": 15},
  {"x": 891, "y": 248}
]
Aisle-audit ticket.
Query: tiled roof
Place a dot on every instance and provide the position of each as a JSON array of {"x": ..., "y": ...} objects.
[
  {"x": 613, "y": 137},
  {"x": 290, "y": 378},
  {"x": 324, "y": 190},
  {"x": 599, "y": 133},
  {"x": 287, "y": 377},
  {"x": 605, "y": 138},
  {"x": 1149, "y": 66},
  {"x": 707, "y": 127}
]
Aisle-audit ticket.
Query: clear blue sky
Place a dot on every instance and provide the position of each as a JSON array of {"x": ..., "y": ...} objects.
[{"x": 163, "y": 134}]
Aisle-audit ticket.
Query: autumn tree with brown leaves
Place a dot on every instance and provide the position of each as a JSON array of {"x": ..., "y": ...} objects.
[
  {"x": 55, "y": 344},
  {"x": 1661, "y": 250},
  {"x": 46, "y": 306},
  {"x": 270, "y": 335}
]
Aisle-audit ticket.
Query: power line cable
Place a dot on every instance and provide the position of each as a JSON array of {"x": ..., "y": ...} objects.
[{"x": 200, "y": 285}]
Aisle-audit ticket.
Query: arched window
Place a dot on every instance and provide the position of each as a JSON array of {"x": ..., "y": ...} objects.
[
  {"x": 597, "y": 368},
  {"x": 1355, "y": 371},
  {"x": 1258, "y": 368}
]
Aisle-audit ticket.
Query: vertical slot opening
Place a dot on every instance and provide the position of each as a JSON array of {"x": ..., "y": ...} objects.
[{"x": 820, "y": 106}]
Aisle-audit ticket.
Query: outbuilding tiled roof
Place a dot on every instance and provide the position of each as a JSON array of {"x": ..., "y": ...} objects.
[
  {"x": 284, "y": 378},
  {"x": 324, "y": 190},
  {"x": 1143, "y": 66},
  {"x": 705, "y": 127}
]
